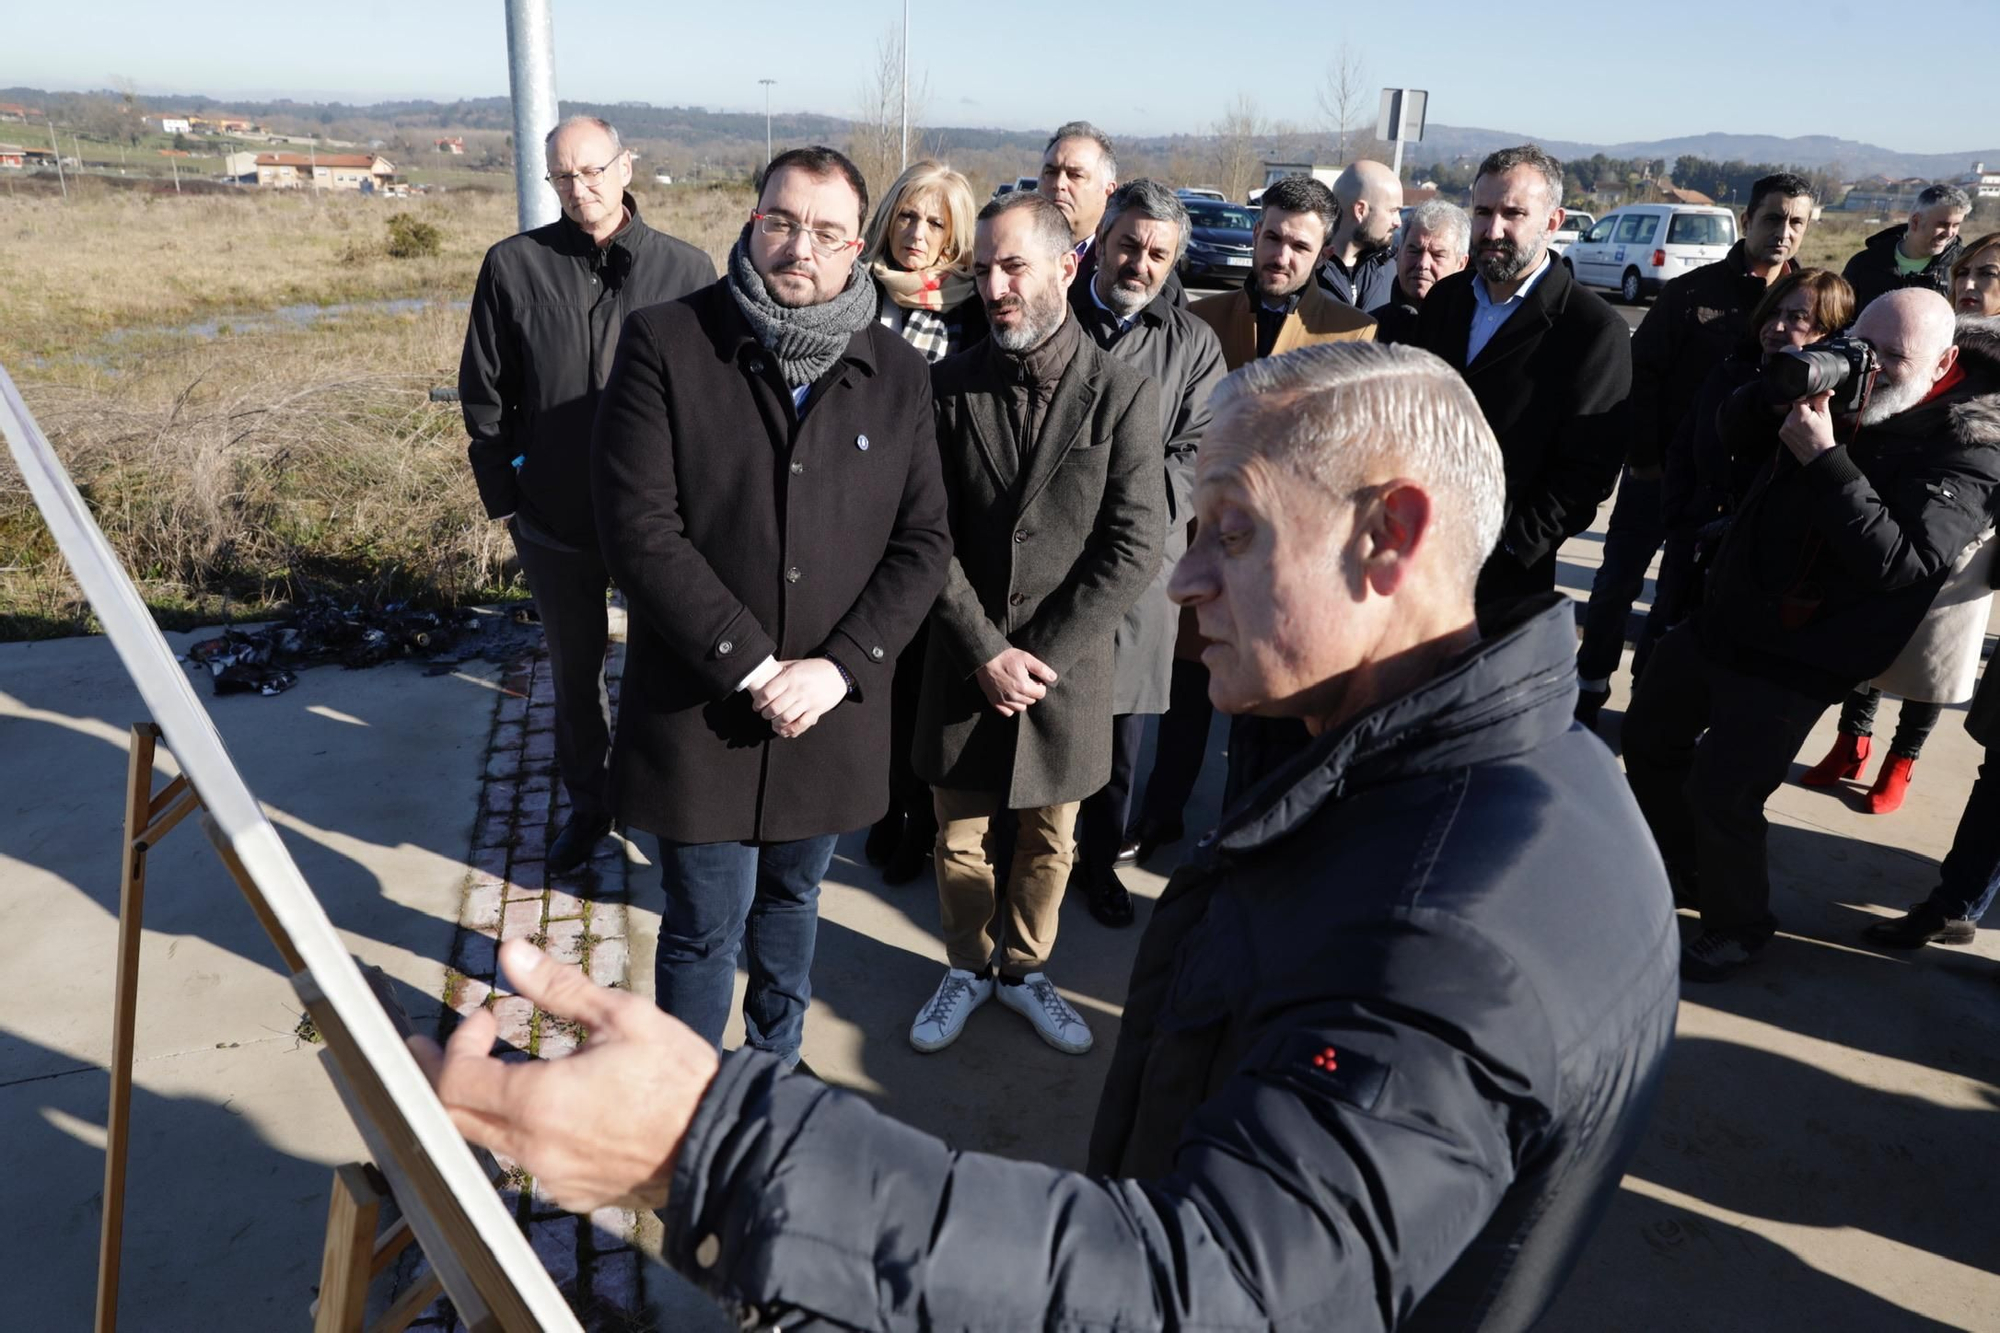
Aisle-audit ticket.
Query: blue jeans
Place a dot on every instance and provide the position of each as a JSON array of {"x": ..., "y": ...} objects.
[
  {"x": 1630, "y": 540},
  {"x": 1970, "y": 876},
  {"x": 723, "y": 898}
]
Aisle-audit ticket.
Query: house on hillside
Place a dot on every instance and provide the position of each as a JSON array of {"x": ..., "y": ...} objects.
[
  {"x": 366, "y": 173},
  {"x": 222, "y": 124},
  {"x": 1666, "y": 192},
  {"x": 173, "y": 124},
  {"x": 239, "y": 168},
  {"x": 12, "y": 157},
  {"x": 456, "y": 147},
  {"x": 1980, "y": 183},
  {"x": 15, "y": 111}
]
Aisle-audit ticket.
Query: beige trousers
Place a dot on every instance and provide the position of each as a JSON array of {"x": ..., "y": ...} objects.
[{"x": 968, "y": 897}]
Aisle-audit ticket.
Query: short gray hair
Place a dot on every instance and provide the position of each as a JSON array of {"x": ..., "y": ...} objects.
[
  {"x": 1950, "y": 195},
  {"x": 617, "y": 144},
  {"x": 1338, "y": 415},
  {"x": 1445, "y": 220},
  {"x": 1083, "y": 129},
  {"x": 1149, "y": 199},
  {"x": 1526, "y": 155},
  {"x": 1051, "y": 227}
]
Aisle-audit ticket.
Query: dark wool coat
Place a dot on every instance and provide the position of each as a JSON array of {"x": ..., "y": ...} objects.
[
  {"x": 544, "y": 326},
  {"x": 1181, "y": 355},
  {"x": 1698, "y": 320},
  {"x": 1391, "y": 1039},
  {"x": 1050, "y": 561},
  {"x": 1830, "y": 566},
  {"x": 1553, "y": 383},
  {"x": 738, "y": 530},
  {"x": 1872, "y": 269}
]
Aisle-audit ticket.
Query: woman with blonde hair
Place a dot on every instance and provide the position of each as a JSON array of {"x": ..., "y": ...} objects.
[{"x": 919, "y": 251}]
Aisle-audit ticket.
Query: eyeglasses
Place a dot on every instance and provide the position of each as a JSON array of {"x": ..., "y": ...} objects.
[
  {"x": 825, "y": 242},
  {"x": 588, "y": 175}
]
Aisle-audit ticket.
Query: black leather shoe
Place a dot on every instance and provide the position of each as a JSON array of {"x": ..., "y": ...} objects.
[
  {"x": 1919, "y": 926},
  {"x": 1108, "y": 900},
  {"x": 1149, "y": 835},
  {"x": 574, "y": 844},
  {"x": 883, "y": 838},
  {"x": 912, "y": 854},
  {"x": 1128, "y": 853}
]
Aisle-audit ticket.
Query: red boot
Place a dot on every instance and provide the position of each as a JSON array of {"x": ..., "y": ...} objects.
[
  {"x": 1886, "y": 796},
  {"x": 1844, "y": 760}
]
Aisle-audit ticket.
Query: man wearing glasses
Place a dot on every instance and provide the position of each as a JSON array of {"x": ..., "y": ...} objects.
[
  {"x": 771, "y": 500},
  {"x": 544, "y": 325}
]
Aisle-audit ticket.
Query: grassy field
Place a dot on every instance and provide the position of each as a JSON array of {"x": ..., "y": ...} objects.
[{"x": 237, "y": 458}]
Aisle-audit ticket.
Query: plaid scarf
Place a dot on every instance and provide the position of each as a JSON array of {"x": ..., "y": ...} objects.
[{"x": 924, "y": 295}]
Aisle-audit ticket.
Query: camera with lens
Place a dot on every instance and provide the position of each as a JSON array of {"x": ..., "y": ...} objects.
[{"x": 1844, "y": 366}]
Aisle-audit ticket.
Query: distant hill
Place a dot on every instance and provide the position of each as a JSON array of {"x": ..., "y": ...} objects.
[{"x": 692, "y": 134}]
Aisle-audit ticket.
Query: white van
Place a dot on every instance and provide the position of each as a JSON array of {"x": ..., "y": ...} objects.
[{"x": 1635, "y": 249}]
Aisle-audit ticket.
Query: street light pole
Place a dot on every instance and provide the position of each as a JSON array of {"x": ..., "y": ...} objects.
[
  {"x": 767, "y": 119},
  {"x": 531, "y": 79},
  {"x": 906, "y": 86}
]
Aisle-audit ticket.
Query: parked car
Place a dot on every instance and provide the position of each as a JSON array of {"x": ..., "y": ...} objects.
[
  {"x": 1634, "y": 250},
  {"x": 1187, "y": 192},
  {"x": 1219, "y": 241},
  {"x": 1575, "y": 223},
  {"x": 1018, "y": 183}
]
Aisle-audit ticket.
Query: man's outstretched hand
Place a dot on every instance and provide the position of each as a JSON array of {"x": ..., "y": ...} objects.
[{"x": 597, "y": 1128}]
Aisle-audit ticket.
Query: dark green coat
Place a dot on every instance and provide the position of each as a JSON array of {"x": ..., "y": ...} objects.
[{"x": 1049, "y": 561}]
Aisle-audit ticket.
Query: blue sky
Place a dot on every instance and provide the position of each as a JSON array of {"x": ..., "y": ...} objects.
[{"x": 1602, "y": 71}]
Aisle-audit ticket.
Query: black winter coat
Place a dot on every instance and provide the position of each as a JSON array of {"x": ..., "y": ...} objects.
[
  {"x": 1872, "y": 270},
  {"x": 544, "y": 326},
  {"x": 1553, "y": 382},
  {"x": 1370, "y": 284},
  {"x": 1390, "y": 1041},
  {"x": 1829, "y": 567},
  {"x": 1048, "y": 559},
  {"x": 1699, "y": 319},
  {"x": 737, "y": 530},
  {"x": 1396, "y": 318}
]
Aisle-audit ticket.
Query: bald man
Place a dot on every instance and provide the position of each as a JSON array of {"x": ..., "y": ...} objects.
[
  {"x": 1388, "y": 1046},
  {"x": 1360, "y": 267},
  {"x": 1824, "y": 576}
]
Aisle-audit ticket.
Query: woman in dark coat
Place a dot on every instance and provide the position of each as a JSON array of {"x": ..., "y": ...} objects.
[{"x": 919, "y": 253}]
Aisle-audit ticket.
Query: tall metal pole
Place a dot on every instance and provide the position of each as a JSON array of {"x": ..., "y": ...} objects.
[
  {"x": 906, "y": 85},
  {"x": 531, "y": 79},
  {"x": 767, "y": 119},
  {"x": 56, "y": 148}
]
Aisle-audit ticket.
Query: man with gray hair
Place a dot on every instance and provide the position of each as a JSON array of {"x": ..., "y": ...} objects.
[
  {"x": 1548, "y": 360},
  {"x": 1360, "y": 261},
  {"x": 1052, "y": 463},
  {"x": 538, "y": 347},
  {"x": 1391, "y": 1036},
  {"x": 1126, "y": 310},
  {"x": 1079, "y": 173},
  {"x": 1436, "y": 243},
  {"x": 1917, "y": 253},
  {"x": 1828, "y": 568}
]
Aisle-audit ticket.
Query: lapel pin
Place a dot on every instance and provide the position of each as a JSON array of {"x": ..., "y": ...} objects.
[{"x": 861, "y": 443}]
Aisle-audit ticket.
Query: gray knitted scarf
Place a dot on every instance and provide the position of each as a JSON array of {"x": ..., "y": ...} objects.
[{"x": 805, "y": 340}]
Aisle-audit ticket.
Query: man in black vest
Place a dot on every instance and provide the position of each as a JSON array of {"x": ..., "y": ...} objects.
[
  {"x": 1549, "y": 362},
  {"x": 544, "y": 325}
]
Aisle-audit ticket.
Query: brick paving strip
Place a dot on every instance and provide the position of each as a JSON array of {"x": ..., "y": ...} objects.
[{"x": 580, "y": 918}]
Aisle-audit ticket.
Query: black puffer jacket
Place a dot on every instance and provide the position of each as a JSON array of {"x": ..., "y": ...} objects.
[
  {"x": 1872, "y": 271},
  {"x": 1389, "y": 1043},
  {"x": 1369, "y": 284},
  {"x": 538, "y": 347},
  {"x": 1829, "y": 567}
]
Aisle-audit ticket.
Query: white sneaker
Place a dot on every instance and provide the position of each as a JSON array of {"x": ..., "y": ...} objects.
[
  {"x": 943, "y": 1017},
  {"x": 1037, "y": 1000}
]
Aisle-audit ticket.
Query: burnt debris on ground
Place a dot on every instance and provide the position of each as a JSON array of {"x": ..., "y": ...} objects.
[{"x": 321, "y": 630}]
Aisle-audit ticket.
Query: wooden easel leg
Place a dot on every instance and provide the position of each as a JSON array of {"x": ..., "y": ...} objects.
[
  {"x": 349, "y": 1257},
  {"x": 131, "y": 926}
]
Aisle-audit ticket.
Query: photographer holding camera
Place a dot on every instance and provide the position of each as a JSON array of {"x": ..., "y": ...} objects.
[{"x": 1834, "y": 558}]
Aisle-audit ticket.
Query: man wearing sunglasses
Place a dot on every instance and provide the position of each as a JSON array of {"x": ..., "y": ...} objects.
[
  {"x": 771, "y": 499},
  {"x": 544, "y": 325}
]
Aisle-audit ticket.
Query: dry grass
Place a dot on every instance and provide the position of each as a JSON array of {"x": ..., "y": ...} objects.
[{"x": 236, "y": 471}]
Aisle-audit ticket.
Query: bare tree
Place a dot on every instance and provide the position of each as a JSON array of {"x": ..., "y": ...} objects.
[
  {"x": 1345, "y": 96},
  {"x": 1236, "y": 134},
  {"x": 876, "y": 142}
]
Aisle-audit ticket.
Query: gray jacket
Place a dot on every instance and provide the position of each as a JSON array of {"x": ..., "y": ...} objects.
[
  {"x": 1048, "y": 560},
  {"x": 1184, "y": 359}
]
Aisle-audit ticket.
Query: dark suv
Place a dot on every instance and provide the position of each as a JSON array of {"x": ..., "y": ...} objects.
[{"x": 1218, "y": 243}]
